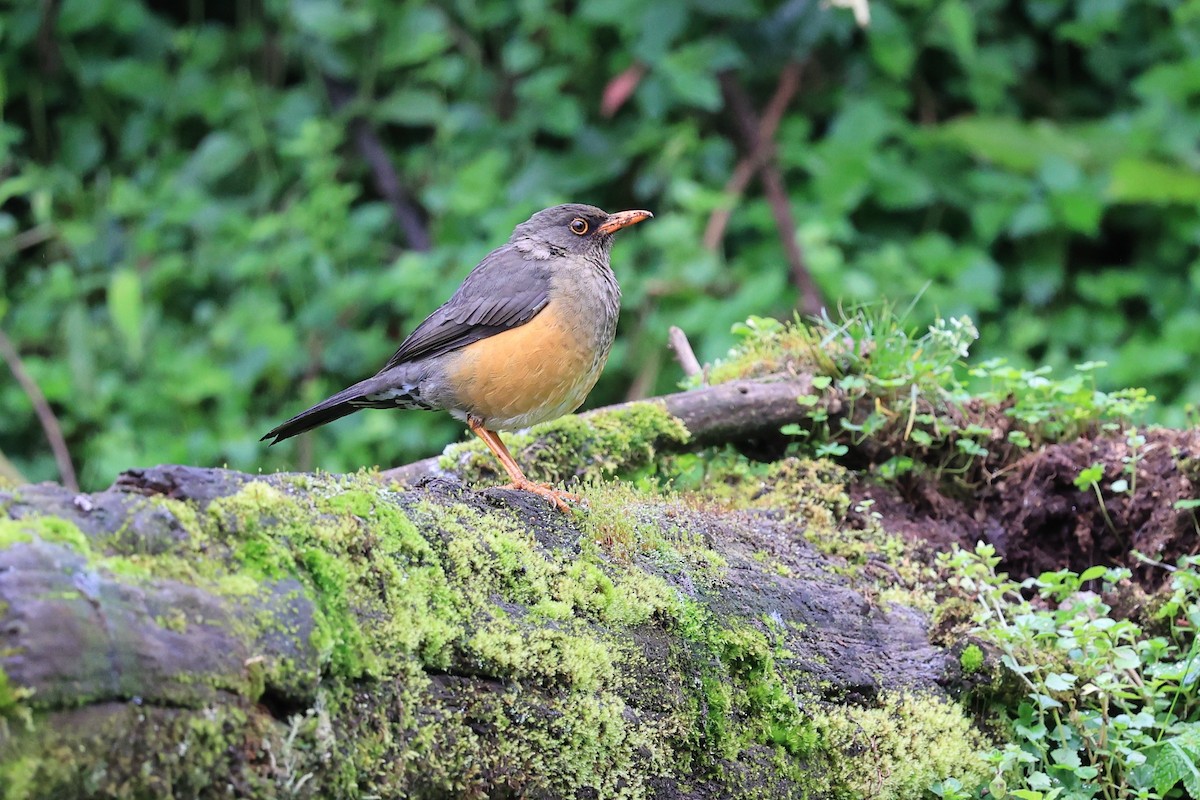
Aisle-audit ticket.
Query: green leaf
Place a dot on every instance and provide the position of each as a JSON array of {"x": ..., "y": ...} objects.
[
  {"x": 1019, "y": 146},
  {"x": 1060, "y": 681},
  {"x": 1088, "y": 476},
  {"x": 1186, "y": 504},
  {"x": 125, "y": 310},
  {"x": 891, "y": 42},
  {"x": 1092, "y": 573},
  {"x": 1140, "y": 180},
  {"x": 958, "y": 25},
  {"x": 411, "y": 107},
  {"x": 1171, "y": 764}
]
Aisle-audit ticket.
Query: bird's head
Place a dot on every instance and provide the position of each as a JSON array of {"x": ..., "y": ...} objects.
[{"x": 573, "y": 228}]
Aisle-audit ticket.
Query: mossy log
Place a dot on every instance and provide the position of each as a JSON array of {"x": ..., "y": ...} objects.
[
  {"x": 206, "y": 633},
  {"x": 745, "y": 413}
]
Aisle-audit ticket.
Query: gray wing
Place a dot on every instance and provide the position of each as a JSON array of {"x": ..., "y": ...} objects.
[{"x": 505, "y": 291}]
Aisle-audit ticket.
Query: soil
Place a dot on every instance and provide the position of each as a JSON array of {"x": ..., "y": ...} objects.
[{"x": 1040, "y": 520}]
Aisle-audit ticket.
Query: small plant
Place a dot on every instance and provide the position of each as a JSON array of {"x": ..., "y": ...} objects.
[
  {"x": 971, "y": 659},
  {"x": 874, "y": 377},
  {"x": 1089, "y": 478},
  {"x": 1108, "y": 711}
]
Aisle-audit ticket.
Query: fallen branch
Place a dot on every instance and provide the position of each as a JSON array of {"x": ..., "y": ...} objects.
[
  {"x": 738, "y": 412},
  {"x": 45, "y": 415}
]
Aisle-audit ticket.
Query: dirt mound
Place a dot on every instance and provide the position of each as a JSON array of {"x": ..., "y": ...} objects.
[{"x": 1068, "y": 506}]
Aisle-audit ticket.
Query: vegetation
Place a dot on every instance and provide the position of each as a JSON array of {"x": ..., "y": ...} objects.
[
  {"x": 906, "y": 401},
  {"x": 194, "y": 242},
  {"x": 1092, "y": 704}
]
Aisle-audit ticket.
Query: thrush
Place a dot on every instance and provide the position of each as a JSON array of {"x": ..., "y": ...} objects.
[{"x": 522, "y": 340}]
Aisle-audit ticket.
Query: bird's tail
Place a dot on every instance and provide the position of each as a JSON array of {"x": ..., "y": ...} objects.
[{"x": 329, "y": 409}]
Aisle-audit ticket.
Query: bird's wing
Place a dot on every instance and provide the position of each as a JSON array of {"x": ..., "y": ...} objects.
[{"x": 505, "y": 291}]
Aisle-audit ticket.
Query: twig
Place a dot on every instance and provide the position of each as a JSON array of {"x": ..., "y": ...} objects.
[
  {"x": 387, "y": 182},
  {"x": 29, "y": 238},
  {"x": 47, "y": 41},
  {"x": 759, "y": 155},
  {"x": 750, "y": 128},
  {"x": 62, "y": 456},
  {"x": 678, "y": 342}
]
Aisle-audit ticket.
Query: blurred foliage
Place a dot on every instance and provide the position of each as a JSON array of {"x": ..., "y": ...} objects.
[{"x": 193, "y": 246}]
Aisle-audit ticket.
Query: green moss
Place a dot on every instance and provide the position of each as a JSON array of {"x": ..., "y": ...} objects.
[
  {"x": 12, "y": 698},
  {"x": 628, "y": 521},
  {"x": 770, "y": 347},
  {"x": 585, "y": 740},
  {"x": 812, "y": 495},
  {"x": 898, "y": 749},
  {"x": 810, "y": 492},
  {"x": 597, "y": 445},
  {"x": 46, "y": 528},
  {"x": 18, "y": 776},
  {"x": 407, "y": 590},
  {"x": 971, "y": 659}
]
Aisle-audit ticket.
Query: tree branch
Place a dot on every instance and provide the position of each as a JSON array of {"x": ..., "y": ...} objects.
[
  {"x": 387, "y": 182},
  {"x": 751, "y": 130},
  {"x": 761, "y": 153},
  {"x": 62, "y": 456},
  {"x": 678, "y": 342}
]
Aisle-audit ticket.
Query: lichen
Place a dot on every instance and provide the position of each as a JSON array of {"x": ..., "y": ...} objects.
[{"x": 896, "y": 750}]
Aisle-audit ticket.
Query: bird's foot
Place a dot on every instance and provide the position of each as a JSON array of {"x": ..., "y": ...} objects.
[{"x": 557, "y": 497}]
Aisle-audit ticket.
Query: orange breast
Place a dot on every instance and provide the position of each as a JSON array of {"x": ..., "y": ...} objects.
[{"x": 530, "y": 374}]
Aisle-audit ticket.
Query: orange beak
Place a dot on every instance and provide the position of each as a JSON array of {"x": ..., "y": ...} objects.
[{"x": 623, "y": 219}]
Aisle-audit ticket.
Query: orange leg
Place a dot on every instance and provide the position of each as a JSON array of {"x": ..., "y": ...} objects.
[{"x": 556, "y": 496}]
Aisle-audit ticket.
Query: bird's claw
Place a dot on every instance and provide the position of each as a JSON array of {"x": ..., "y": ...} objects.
[{"x": 557, "y": 497}]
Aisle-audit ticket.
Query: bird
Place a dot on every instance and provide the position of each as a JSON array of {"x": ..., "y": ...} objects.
[{"x": 521, "y": 341}]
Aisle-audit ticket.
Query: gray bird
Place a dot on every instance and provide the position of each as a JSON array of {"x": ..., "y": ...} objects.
[{"x": 522, "y": 341}]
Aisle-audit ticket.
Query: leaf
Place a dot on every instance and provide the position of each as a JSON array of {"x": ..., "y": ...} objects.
[
  {"x": 958, "y": 24},
  {"x": 1016, "y": 145},
  {"x": 1170, "y": 764},
  {"x": 1092, "y": 573},
  {"x": 1088, "y": 476},
  {"x": 1186, "y": 504},
  {"x": 1060, "y": 681},
  {"x": 125, "y": 310},
  {"x": 1140, "y": 180},
  {"x": 411, "y": 107},
  {"x": 890, "y": 41},
  {"x": 1066, "y": 757}
]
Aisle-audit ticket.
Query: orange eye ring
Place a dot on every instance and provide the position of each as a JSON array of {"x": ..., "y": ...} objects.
[{"x": 579, "y": 226}]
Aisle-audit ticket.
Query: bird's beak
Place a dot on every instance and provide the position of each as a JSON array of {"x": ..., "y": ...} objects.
[{"x": 623, "y": 219}]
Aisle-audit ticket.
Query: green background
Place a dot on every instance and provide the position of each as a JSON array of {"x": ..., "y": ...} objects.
[{"x": 194, "y": 248}]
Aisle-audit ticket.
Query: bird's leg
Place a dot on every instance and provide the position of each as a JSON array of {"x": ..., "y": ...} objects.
[{"x": 492, "y": 439}]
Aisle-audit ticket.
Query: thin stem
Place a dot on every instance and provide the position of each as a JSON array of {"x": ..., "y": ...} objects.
[{"x": 62, "y": 456}]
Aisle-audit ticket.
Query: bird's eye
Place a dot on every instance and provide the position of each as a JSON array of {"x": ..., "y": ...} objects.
[{"x": 579, "y": 226}]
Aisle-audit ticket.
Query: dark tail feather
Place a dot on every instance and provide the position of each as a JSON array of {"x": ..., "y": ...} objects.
[{"x": 325, "y": 411}]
